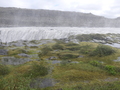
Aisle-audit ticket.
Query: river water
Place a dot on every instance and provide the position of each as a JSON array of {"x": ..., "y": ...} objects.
[{"x": 38, "y": 33}]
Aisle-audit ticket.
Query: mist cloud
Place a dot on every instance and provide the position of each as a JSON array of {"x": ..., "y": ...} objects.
[{"x": 106, "y": 8}]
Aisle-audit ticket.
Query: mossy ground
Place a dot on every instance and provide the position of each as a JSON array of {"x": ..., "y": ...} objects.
[{"x": 83, "y": 75}]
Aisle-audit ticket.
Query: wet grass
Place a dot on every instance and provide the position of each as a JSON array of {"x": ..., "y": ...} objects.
[
  {"x": 88, "y": 37},
  {"x": 78, "y": 72},
  {"x": 90, "y": 73}
]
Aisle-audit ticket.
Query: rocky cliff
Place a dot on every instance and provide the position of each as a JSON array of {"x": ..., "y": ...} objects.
[{"x": 39, "y": 17}]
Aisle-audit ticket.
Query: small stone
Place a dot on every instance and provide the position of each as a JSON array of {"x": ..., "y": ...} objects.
[
  {"x": 52, "y": 58},
  {"x": 69, "y": 60},
  {"x": 23, "y": 55},
  {"x": 60, "y": 89},
  {"x": 80, "y": 56}
]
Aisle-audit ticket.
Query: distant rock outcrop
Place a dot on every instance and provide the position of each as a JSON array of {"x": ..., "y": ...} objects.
[{"x": 30, "y": 17}]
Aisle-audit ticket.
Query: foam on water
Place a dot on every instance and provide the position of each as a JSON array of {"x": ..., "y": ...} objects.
[{"x": 38, "y": 33}]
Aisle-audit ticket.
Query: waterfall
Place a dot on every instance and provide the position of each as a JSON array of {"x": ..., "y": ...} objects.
[{"x": 38, "y": 33}]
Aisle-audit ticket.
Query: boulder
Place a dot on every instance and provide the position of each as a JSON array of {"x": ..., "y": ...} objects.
[{"x": 3, "y": 52}]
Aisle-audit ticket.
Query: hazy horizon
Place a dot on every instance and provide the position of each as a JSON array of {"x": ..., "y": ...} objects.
[{"x": 105, "y": 8}]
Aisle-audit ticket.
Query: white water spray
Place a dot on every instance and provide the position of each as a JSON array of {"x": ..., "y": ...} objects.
[{"x": 38, "y": 33}]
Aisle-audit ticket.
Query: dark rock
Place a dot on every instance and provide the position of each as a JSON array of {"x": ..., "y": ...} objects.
[
  {"x": 65, "y": 40},
  {"x": 42, "y": 83},
  {"x": 74, "y": 41},
  {"x": 59, "y": 89},
  {"x": 74, "y": 62},
  {"x": 24, "y": 55},
  {"x": 117, "y": 60},
  {"x": 18, "y": 43},
  {"x": 52, "y": 58},
  {"x": 80, "y": 56},
  {"x": 55, "y": 61},
  {"x": 3, "y": 52},
  {"x": 69, "y": 60},
  {"x": 14, "y": 61}
]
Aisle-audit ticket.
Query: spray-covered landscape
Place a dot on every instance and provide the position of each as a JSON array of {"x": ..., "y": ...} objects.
[
  {"x": 58, "y": 50},
  {"x": 59, "y": 58}
]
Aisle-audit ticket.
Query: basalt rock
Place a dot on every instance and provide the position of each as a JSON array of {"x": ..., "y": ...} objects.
[
  {"x": 24, "y": 55},
  {"x": 42, "y": 83},
  {"x": 52, "y": 58},
  {"x": 3, "y": 52},
  {"x": 14, "y": 61}
]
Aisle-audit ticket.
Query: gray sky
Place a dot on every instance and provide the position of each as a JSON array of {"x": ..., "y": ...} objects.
[{"x": 106, "y": 8}]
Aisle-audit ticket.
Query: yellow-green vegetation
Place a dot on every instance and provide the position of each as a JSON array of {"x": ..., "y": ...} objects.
[
  {"x": 36, "y": 70},
  {"x": 20, "y": 76},
  {"x": 88, "y": 37},
  {"x": 4, "y": 70},
  {"x": 78, "y": 72},
  {"x": 16, "y": 51},
  {"x": 102, "y": 50},
  {"x": 94, "y": 70}
]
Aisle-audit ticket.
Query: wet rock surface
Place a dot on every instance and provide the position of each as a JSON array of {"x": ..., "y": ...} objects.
[
  {"x": 24, "y": 55},
  {"x": 14, "y": 61},
  {"x": 55, "y": 61},
  {"x": 116, "y": 45},
  {"x": 52, "y": 58},
  {"x": 117, "y": 60},
  {"x": 3, "y": 52},
  {"x": 21, "y": 43},
  {"x": 42, "y": 83},
  {"x": 80, "y": 56},
  {"x": 66, "y": 61}
]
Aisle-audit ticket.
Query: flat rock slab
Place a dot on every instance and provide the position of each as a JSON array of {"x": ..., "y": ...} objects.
[
  {"x": 42, "y": 83},
  {"x": 14, "y": 61},
  {"x": 3, "y": 52},
  {"x": 24, "y": 55}
]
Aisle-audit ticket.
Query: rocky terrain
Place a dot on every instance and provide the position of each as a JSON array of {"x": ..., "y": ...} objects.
[
  {"x": 64, "y": 58},
  {"x": 61, "y": 64}
]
